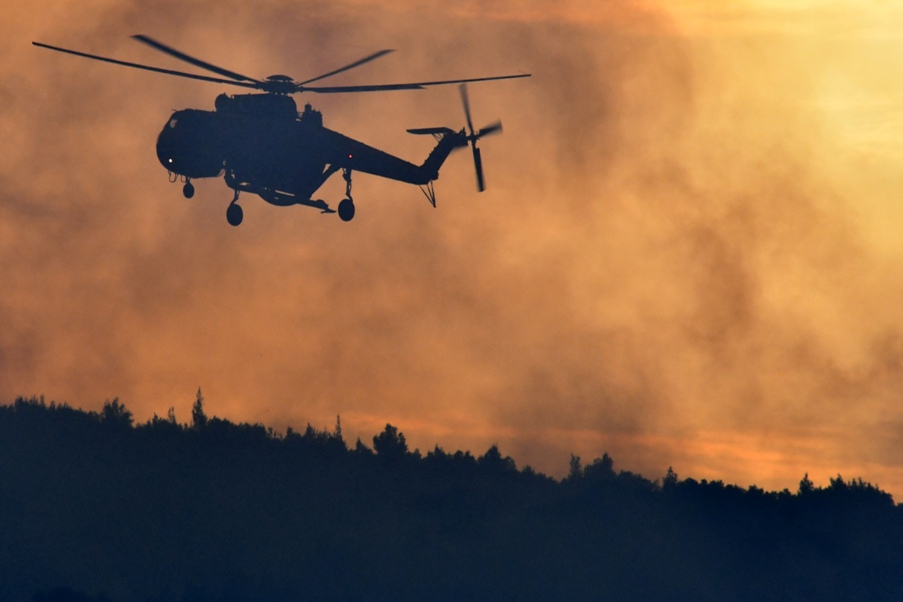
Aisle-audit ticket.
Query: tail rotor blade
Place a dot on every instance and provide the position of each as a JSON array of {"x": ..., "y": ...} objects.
[
  {"x": 490, "y": 129},
  {"x": 478, "y": 164},
  {"x": 466, "y": 102}
]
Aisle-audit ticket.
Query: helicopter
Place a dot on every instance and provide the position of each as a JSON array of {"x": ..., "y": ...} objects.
[{"x": 260, "y": 144}]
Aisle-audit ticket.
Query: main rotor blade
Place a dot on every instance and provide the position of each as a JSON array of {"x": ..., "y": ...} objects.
[
  {"x": 366, "y": 59},
  {"x": 408, "y": 86},
  {"x": 433, "y": 131},
  {"x": 205, "y": 78},
  {"x": 466, "y": 102},
  {"x": 191, "y": 60}
]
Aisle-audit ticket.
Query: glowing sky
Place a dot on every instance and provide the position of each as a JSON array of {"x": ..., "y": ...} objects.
[{"x": 688, "y": 254}]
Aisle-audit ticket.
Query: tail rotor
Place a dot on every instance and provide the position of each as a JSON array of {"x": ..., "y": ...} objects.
[{"x": 473, "y": 136}]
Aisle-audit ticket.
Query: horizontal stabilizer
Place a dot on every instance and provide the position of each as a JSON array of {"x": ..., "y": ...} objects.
[{"x": 431, "y": 131}]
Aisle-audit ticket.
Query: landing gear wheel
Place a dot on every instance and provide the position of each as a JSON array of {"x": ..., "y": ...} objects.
[
  {"x": 234, "y": 214},
  {"x": 346, "y": 210},
  {"x": 188, "y": 190}
]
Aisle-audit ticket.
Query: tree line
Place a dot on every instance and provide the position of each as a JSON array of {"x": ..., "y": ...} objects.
[{"x": 94, "y": 507}]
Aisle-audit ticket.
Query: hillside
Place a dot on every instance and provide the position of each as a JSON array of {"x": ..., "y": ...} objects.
[{"x": 218, "y": 511}]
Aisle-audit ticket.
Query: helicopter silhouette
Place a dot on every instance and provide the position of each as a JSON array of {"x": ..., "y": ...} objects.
[{"x": 260, "y": 144}]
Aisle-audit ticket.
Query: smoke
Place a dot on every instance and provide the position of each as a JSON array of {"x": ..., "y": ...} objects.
[{"x": 668, "y": 263}]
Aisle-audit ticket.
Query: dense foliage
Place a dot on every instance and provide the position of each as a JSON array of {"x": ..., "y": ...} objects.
[{"x": 94, "y": 507}]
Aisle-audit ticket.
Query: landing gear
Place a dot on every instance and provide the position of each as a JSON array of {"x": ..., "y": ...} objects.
[
  {"x": 188, "y": 190},
  {"x": 234, "y": 214},
  {"x": 346, "y": 207},
  {"x": 346, "y": 210}
]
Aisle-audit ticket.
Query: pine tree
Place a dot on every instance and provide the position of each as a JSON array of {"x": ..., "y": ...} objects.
[{"x": 198, "y": 418}]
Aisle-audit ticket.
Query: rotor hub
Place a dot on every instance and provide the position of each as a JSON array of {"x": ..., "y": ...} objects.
[{"x": 280, "y": 84}]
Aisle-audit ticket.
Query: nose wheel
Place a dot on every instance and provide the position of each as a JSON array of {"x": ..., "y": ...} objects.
[{"x": 188, "y": 190}]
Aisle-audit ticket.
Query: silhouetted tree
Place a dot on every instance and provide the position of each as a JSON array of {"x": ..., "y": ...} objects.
[
  {"x": 575, "y": 470},
  {"x": 361, "y": 449},
  {"x": 198, "y": 417},
  {"x": 806, "y": 485},
  {"x": 492, "y": 461},
  {"x": 670, "y": 481},
  {"x": 390, "y": 443},
  {"x": 115, "y": 414},
  {"x": 601, "y": 469}
]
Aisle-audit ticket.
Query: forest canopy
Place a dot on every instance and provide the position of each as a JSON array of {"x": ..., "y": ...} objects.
[{"x": 96, "y": 507}]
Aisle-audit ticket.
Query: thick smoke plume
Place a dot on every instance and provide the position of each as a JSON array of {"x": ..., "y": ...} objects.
[{"x": 677, "y": 260}]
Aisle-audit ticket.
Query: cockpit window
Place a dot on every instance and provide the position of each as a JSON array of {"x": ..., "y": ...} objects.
[{"x": 173, "y": 122}]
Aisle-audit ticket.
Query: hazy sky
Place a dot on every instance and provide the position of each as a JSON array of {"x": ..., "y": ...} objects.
[{"x": 688, "y": 254}]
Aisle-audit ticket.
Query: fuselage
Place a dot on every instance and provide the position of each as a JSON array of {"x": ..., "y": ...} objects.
[{"x": 263, "y": 145}]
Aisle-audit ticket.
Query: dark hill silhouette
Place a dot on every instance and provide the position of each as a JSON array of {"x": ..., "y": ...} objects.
[{"x": 96, "y": 508}]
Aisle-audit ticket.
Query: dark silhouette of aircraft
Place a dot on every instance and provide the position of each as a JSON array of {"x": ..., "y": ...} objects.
[{"x": 262, "y": 145}]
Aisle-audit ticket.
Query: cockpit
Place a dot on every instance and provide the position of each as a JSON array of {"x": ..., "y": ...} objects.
[{"x": 190, "y": 144}]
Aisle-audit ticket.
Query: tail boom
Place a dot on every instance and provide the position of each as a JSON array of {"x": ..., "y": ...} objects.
[{"x": 449, "y": 140}]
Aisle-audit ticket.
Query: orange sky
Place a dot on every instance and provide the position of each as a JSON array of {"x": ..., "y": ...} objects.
[{"x": 687, "y": 255}]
